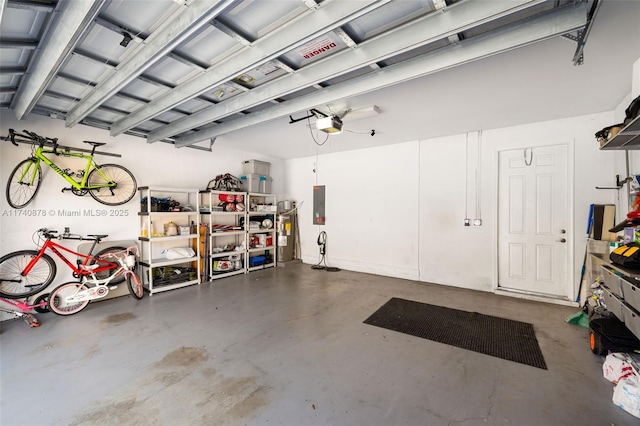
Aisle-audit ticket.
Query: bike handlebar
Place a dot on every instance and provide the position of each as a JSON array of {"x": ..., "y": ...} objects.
[
  {"x": 122, "y": 253},
  {"x": 32, "y": 136},
  {"x": 51, "y": 234}
]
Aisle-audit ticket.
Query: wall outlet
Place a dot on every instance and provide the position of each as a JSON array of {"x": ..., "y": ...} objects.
[
  {"x": 477, "y": 222},
  {"x": 467, "y": 222}
]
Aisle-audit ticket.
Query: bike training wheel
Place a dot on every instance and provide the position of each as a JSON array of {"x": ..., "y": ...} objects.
[
  {"x": 13, "y": 285},
  {"x": 21, "y": 190},
  {"x": 106, "y": 274},
  {"x": 57, "y": 303},
  {"x": 124, "y": 191},
  {"x": 135, "y": 285},
  {"x": 42, "y": 298}
]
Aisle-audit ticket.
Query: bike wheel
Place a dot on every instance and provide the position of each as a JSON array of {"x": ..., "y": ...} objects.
[
  {"x": 124, "y": 190},
  {"x": 106, "y": 274},
  {"x": 15, "y": 285},
  {"x": 135, "y": 285},
  {"x": 24, "y": 183},
  {"x": 42, "y": 298},
  {"x": 58, "y": 303}
]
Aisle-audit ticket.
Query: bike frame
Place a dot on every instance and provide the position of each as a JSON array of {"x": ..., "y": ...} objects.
[
  {"x": 93, "y": 284},
  {"x": 24, "y": 306},
  {"x": 39, "y": 156},
  {"x": 105, "y": 281},
  {"x": 56, "y": 248}
]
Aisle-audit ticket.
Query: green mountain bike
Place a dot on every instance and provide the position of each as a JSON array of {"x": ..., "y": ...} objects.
[{"x": 109, "y": 184}]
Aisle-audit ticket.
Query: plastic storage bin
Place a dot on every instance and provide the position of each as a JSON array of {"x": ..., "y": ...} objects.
[
  {"x": 631, "y": 319},
  {"x": 265, "y": 184},
  {"x": 250, "y": 183},
  {"x": 257, "y": 260},
  {"x": 631, "y": 294},
  {"x": 256, "y": 167},
  {"x": 614, "y": 305},
  {"x": 612, "y": 281}
]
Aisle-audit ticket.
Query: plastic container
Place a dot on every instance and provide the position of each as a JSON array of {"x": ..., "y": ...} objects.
[
  {"x": 265, "y": 184},
  {"x": 612, "y": 281},
  {"x": 170, "y": 229},
  {"x": 250, "y": 183},
  {"x": 257, "y": 260},
  {"x": 631, "y": 319},
  {"x": 631, "y": 293},
  {"x": 256, "y": 167},
  {"x": 614, "y": 304}
]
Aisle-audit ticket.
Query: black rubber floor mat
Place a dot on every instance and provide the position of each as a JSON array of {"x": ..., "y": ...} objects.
[{"x": 498, "y": 337}]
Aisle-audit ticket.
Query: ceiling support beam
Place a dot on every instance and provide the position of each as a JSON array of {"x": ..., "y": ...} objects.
[
  {"x": 519, "y": 34},
  {"x": 3, "y": 4},
  {"x": 18, "y": 44},
  {"x": 72, "y": 19},
  {"x": 12, "y": 70},
  {"x": 37, "y": 6},
  {"x": 174, "y": 31},
  {"x": 425, "y": 30},
  {"x": 311, "y": 25}
]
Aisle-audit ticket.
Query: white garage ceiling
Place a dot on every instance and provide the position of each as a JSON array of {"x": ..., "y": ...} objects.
[{"x": 190, "y": 72}]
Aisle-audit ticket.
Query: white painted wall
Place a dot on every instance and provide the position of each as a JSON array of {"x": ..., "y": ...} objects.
[
  {"x": 153, "y": 165},
  {"x": 398, "y": 210},
  {"x": 371, "y": 213}
]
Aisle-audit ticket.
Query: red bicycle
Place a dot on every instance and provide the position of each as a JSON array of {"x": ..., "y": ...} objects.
[{"x": 28, "y": 272}]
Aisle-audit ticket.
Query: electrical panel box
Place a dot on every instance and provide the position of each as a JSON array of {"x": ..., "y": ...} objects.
[{"x": 318, "y": 205}]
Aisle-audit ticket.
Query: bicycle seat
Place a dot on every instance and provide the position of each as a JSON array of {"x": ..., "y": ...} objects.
[
  {"x": 90, "y": 267},
  {"x": 95, "y": 143},
  {"x": 98, "y": 237}
]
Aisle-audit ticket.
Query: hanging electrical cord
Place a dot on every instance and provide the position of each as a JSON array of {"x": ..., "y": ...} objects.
[
  {"x": 313, "y": 136},
  {"x": 322, "y": 243}
]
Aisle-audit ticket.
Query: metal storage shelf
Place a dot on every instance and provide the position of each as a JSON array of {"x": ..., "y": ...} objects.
[
  {"x": 221, "y": 233},
  {"x": 225, "y": 254},
  {"x": 261, "y": 231},
  {"x": 604, "y": 259},
  {"x": 259, "y": 249},
  {"x": 170, "y": 238},
  {"x": 210, "y": 218},
  {"x": 229, "y": 274},
  {"x": 622, "y": 290},
  {"x": 627, "y": 139},
  {"x": 167, "y": 287},
  {"x": 151, "y": 245},
  {"x": 240, "y": 238},
  {"x": 156, "y": 263},
  {"x": 253, "y": 204},
  {"x": 260, "y": 267}
]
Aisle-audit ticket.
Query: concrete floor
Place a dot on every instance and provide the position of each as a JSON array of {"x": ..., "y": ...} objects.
[{"x": 287, "y": 346}]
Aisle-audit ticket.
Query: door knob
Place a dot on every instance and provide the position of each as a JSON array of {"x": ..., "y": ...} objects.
[
  {"x": 561, "y": 240},
  {"x": 563, "y": 231}
]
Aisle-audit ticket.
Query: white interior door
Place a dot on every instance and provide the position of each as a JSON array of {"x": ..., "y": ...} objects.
[{"x": 533, "y": 211}]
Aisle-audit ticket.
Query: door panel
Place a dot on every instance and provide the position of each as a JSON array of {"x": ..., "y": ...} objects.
[{"x": 533, "y": 214}]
